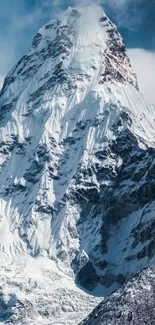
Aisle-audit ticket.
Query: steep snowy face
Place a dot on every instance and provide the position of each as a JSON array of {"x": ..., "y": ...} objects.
[{"x": 76, "y": 153}]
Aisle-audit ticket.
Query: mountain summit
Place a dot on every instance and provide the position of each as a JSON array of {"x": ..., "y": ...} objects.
[{"x": 77, "y": 167}]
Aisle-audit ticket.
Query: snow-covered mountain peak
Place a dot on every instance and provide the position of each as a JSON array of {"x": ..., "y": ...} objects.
[
  {"x": 83, "y": 49},
  {"x": 85, "y": 21},
  {"x": 93, "y": 45},
  {"x": 77, "y": 154}
]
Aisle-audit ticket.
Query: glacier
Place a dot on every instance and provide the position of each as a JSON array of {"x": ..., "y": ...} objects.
[{"x": 77, "y": 166}]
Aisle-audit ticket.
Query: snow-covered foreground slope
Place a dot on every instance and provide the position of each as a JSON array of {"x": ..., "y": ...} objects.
[
  {"x": 34, "y": 292},
  {"x": 77, "y": 161},
  {"x": 133, "y": 304}
]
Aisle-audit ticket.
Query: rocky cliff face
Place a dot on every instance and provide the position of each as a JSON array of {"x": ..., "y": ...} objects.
[
  {"x": 134, "y": 304},
  {"x": 77, "y": 154}
]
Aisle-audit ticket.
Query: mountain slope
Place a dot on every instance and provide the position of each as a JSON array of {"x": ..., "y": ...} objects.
[
  {"x": 77, "y": 155},
  {"x": 34, "y": 291},
  {"x": 133, "y": 304}
]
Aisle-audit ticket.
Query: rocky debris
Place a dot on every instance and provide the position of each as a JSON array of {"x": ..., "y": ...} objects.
[
  {"x": 35, "y": 292},
  {"x": 133, "y": 304}
]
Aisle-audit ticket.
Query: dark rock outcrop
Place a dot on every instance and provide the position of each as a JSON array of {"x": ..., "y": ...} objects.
[{"x": 133, "y": 304}]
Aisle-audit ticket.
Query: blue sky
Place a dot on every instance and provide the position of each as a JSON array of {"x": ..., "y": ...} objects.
[{"x": 20, "y": 20}]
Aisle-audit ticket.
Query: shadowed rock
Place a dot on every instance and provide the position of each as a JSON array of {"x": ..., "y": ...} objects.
[{"x": 133, "y": 304}]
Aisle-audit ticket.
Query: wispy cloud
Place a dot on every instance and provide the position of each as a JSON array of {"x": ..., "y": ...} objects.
[
  {"x": 144, "y": 65},
  {"x": 124, "y": 11}
]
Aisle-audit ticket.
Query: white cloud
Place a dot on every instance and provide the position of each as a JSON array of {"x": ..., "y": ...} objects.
[
  {"x": 111, "y": 3},
  {"x": 124, "y": 11},
  {"x": 143, "y": 63}
]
